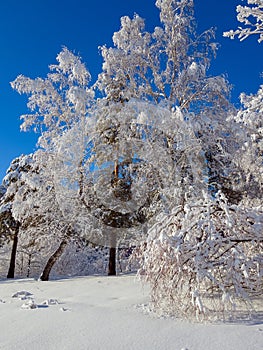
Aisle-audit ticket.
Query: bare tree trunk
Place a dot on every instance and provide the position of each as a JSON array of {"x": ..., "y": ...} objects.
[
  {"x": 12, "y": 265},
  {"x": 52, "y": 260},
  {"x": 118, "y": 259},
  {"x": 29, "y": 265},
  {"x": 112, "y": 262}
]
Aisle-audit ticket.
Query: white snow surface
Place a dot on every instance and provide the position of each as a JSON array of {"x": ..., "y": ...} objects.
[{"x": 100, "y": 312}]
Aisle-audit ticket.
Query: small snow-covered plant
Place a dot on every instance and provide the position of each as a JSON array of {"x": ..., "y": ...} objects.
[
  {"x": 251, "y": 17},
  {"x": 204, "y": 259}
]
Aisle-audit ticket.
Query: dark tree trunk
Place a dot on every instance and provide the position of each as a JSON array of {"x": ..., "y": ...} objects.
[
  {"x": 112, "y": 262},
  {"x": 29, "y": 265},
  {"x": 52, "y": 260},
  {"x": 12, "y": 265}
]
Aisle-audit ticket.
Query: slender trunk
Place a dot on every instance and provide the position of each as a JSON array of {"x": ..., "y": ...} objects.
[
  {"x": 29, "y": 265},
  {"x": 12, "y": 265},
  {"x": 112, "y": 262},
  {"x": 52, "y": 260},
  {"x": 119, "y": 259}
]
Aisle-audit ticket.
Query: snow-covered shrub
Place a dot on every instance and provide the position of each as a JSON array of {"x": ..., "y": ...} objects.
[{"x": 204, "y": 259}]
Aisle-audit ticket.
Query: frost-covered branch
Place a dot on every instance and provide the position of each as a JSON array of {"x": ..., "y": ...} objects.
[
  {"x": 58, "y": 101},
  {"x": 252, "y": 19}
]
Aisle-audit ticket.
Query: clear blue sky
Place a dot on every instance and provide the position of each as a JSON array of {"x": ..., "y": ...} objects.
[{"x": 32, "y": 33}]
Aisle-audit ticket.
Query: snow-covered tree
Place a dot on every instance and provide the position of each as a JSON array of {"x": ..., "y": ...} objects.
[
  {"x": 251, "y": 17},
  {"x": 44, "y": 231},
  {"x": 25, "y": 210},
  {"x": 169, "y": 67},
  {"x": 10, "y": 226},
  {"x": 58, "y": 103}
]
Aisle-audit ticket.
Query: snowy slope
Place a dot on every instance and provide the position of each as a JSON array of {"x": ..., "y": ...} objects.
[{"x": 103, "y": 313}]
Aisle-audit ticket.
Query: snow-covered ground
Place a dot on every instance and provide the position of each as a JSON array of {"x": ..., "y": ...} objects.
[{"x": 105, "y": 313}]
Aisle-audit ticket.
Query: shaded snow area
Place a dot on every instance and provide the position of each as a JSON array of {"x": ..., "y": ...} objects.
[{"x": 105, "y": 313}]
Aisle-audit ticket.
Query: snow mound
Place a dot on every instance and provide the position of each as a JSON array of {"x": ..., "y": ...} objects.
[
  {"x": 22, "y": 295},
  {"x": 29, "y": 305}
]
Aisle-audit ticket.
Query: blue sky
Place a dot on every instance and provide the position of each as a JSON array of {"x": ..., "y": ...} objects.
[{"x": 32, "y": 32}]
